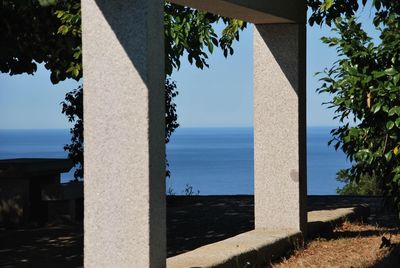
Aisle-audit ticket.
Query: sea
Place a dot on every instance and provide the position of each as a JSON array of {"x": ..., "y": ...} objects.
[{"x": 205, "y": 161}]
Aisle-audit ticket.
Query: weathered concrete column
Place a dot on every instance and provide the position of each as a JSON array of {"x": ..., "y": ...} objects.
[
  {"x": 280, "y": 126},
  {"x": 123, "y": 60}
]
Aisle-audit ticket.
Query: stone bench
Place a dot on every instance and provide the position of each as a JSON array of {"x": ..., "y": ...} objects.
[
  {"x": 21, "y": 182},
  {"x": 64, "y": 200}
]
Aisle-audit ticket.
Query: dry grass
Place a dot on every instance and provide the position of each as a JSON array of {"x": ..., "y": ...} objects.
[{"x": 353, "y": 245}]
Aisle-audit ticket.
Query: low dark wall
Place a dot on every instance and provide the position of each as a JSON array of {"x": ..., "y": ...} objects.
[{"x": 14, "y": 201}]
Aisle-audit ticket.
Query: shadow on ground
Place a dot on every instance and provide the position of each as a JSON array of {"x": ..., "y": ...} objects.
[
  {"x": 50, "y": 246},
  {"x": 200, "y": 220},
  {"x": 191, "y": 222},
  {"x": 391, "y": 260}
]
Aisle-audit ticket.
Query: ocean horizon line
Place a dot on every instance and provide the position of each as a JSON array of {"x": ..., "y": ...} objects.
[
  {"x": 196, "y": 127},
  {"x": 1, "y": 129}
]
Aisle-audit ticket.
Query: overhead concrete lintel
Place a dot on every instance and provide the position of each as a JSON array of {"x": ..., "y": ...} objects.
[{"x": 255, "y": 11}]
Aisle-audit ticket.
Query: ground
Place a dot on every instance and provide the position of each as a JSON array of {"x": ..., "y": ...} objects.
[
  {"x": 352, "y": 245},
  {"x": 196, "y": 221},
  {"x": 54, "y": 245}
]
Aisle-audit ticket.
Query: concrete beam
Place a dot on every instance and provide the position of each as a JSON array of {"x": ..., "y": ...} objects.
[
  {"x": 255, "y": 11},
  {"x": 280, "y": 126},
  {"x": 123, "y": 62}
]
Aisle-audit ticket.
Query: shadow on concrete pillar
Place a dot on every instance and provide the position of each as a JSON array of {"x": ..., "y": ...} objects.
[
  {"x": 280, "y": 126},
  {"x": 123, "y": 60}
]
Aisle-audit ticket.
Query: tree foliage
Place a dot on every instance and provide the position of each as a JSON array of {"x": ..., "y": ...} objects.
[
  {"x": 366, "y": 186},
  {"x": 327, "y": 11},
  {"x": 49, "y": 32},
  {"x": 29, "y": 36},
  {"x": 72, "y": 107},
  {"x": 365, "y": 88}
]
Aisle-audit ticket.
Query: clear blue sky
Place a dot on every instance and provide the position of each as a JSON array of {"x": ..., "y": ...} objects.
[
  {"x": 220, "y": 96},
  {"x": 32, "y": 101}
]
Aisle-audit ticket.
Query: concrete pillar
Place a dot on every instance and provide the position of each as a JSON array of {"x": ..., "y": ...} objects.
[
  {"x": 280, "y": 126},
  {"x": 123, "y": 62}
]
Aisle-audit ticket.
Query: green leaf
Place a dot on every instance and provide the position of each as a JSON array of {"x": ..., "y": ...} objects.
[
  {"x": 210, "y": 47},
  {"x": 389, "y": 125},
  {"x": 385, "y": 108},
  {"x": 394, "y": 110},
  {"x": 378, "y": 74},
  {"x": 338, "y": 20},
  {"x": 75, "y": 72},
  {"x": 396, "y": 170},
  {"x": 377, "y": 4},
  {"x": 354, "y": 131},
  {"x": 396, "y": 79},
  {"x": 327, "y": 5},
  {"x": 390, "y": 71},
  {"x": 376, "y": 108},
  {"x": 338, "y": 101},
  {"x": 388, "y": 155},
  {"x": 45, "y": 3}
]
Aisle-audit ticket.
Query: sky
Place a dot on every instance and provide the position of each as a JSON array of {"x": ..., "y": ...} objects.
[
  {"x": 220, "y": 96},
  {"x": 32, "y": 101}
]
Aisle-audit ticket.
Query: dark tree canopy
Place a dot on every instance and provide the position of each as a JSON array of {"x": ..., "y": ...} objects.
[{"x": 29, "y": 36}]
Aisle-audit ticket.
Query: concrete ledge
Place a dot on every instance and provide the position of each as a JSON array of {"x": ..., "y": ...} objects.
[
  {"x": 251, "y": 249},
  {"x": 322, "y": 222},
  {"x": 261, "y": 246}
]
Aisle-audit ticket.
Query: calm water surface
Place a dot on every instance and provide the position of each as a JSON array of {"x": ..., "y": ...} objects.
[
  {"x": 42, "y": 143},
  {"x": 212, "y": 161}
]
